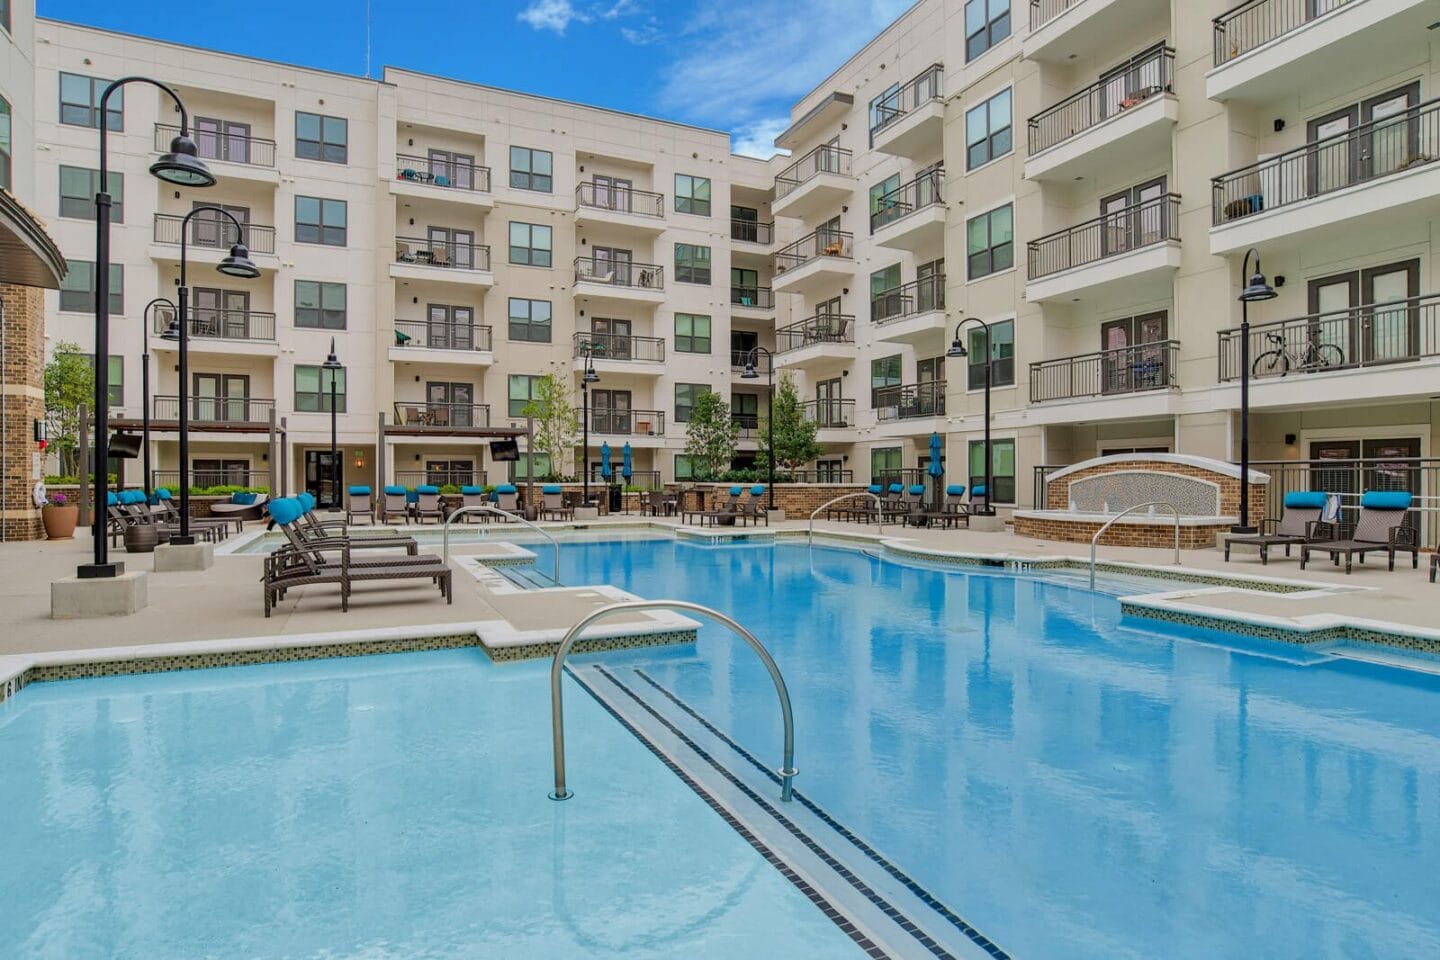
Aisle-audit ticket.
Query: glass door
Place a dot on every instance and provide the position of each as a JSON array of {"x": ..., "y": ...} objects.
[
  {"x": 745, "y": 223},
  {"x": 614, "y": 263},
  {"x": 210, "y": 229},
  {"x": 1332, "y": 304},
  {"x": 1391, "y": 331},
  {"x": 612, "y": 337},
  {"x": 829, "y": 411},
  {"x": 1331, "y": 164},
  {"x": 1392, "y": 143},
  {"x": 610, "y": 411}
]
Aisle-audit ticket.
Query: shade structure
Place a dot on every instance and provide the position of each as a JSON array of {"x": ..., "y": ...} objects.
[
  {"x": 627, "y": 467},
  {"x": 937, "y": 466},
  {"x": 606, "y": 471}
]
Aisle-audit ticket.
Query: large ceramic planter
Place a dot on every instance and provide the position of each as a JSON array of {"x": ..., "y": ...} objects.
[
  {"x": 141, "y": 538},
  {"x": 60, "y": 520}
]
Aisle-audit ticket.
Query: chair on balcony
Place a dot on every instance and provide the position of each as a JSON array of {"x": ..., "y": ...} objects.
[
  {"x": 362, "y": 504},
  {"x": 412, "y": 416},
  {"x": 1381, "y": 528},
  {"x": 1299, "y": 522},
  {"x": 439, "y": 416},
  {"x": 403, "y": 254},
  {"x": 440, "y": 255},
  {"x": 394, "y": 506}
]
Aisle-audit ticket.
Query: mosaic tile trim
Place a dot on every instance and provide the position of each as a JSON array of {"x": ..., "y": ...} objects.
[
  {"x": 547, "y": 649},
  {"x": 871, "y": 948},
  {"x": 955, "y": 920},
  {"x": 1299, "y": 635}
]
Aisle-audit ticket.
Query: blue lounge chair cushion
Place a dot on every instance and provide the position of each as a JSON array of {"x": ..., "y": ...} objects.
[
  {"x": 506, "y": 488},
  {"x": 244, "y": 499},
  {"x": 1386, "y": 500},
  {"x": 111, "y": 500},
  {"x": 551, "y": 488},
  {"x": 955, "y": 490},
  {"x": 427, "y": 489},
  {"x": 917, "y": 488},
  {"x": 306, "y": 501},
  {"x": 395, "y": 490},
  {"x": 470, "y": 490},
  {"x": 162, "y": 493},
  {"x": 897, "y": 488},
  {"x": 359, "y": 491},
  {"x": 1305, "y": 500},
  {"x": 757, "y": 490},
  {"x": 286, "y": 510},
  {"x": 978, "y": 491},
  {"x": 875, "y": 488},
  {"x": 132, "y": 496},
  {"x": 736, "y": 490}
]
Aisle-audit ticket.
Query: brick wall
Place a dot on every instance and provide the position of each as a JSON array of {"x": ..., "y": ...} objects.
[
  {"x": 24, "y": 403},
  {"x": 1057, "y": 492},
  {"x": 796, "y": 499},
  {"x": 1122, "y": 534}
]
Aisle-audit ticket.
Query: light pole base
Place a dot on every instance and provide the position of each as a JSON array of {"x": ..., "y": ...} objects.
[
  {"x": 99, "y": 571},
  {"x": 182, "y": 558},
  {"x": 1243, "y": 531},
  {"x": 987, "y": 523},
  {"x": 81, "y": 598},
  {"x": 775, "y": 514}
]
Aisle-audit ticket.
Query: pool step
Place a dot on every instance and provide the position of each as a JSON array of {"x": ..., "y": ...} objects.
[{"x": 526, "y": 577}]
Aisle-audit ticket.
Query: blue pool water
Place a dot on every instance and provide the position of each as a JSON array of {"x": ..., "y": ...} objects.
[{"x": 1073, "y": 785}]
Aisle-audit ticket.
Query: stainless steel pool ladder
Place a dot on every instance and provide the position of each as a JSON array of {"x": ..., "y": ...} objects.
[
  {"x": 487, "y": 508},
  {"x": 1095, "y": 540},
  {"x": 787, "y": 769},
  {"x": 879, "y": 512}
]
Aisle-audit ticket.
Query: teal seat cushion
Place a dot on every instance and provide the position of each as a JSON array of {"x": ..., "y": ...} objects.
[
  {"x": 244, "y": 499},
  {"x": 470, "y": 490},
  {"x": 111, "y": 500},
  {"x": 359, "y": 491},
  {"x": 306, "y": 501},
  {"x": 897, "y": 488},
  {"x": 875, "y": 488},
  {"x": 395, "y": 490},
  {"x": 427, "y": 489},
  {"x": 955, "y": 490},
  {"x": 1305, "y": 500},
  {"x": 132, "y": 496},
  {"x": 551, "y": 488},
  {"x": 917, "y": 488},
  {"x": 757, "y": 490},
  {"x": 1386, "y": 500},
  {"x": 978, "y": 491},
  {"x": 286, "y": 510},
  {"x": 163, "y": 493},
  {"x": 506, "y": 488}
]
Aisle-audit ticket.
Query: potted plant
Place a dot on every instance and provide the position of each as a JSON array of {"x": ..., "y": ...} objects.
[{"x": 60, "y": 517}]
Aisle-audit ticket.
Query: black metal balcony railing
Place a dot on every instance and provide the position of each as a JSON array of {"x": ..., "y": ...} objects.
[
  {"x": 756, "y": 298},
  {"x": 1363, "y": 336},
  {"x": 446, "y": 477},
  {"x": 829, "y": 414},
  {"x": 1135, "y": 227},
  {"x": 823, "y": 159},
  {"x": 214, "y": 232},
  {"x": 604, "y": 196},
  {"x": 910, "y": 401},
  {"x": 1146, "y": 75},
  {"x": 425, "y": 415},
  {"x": 924, "y": 191},
  {"x": 738, "y": 358},
  {"x": 247, "y": 410},
  {"x": 812, "y": 246},
  {"x": 1370, "y": 151},
  {"x": 928, "y": 86},
  {"x": 1043, "y": 11},
  {"x": 1256, "y": 22},
  {"x": 200, "y": 479},
  {"x": 642, "y": 276},
  {"x": 747, "y": 425},
  {"x": 909, "y": 300},
  {"x": 821, "y": 328},
  {"x": 751, "y": 231},
  {"x": 435, "y": 335},
  {"x": 229, "y": 147},
  {"x": 819, "y": 475},
  {"x": 616, "y": 346},
  {"x": 439, "y": 172},
  {"x": 223, "y": 324},
  {"x": 448, "y": 254},
  {"x": 627, "y": 423},
  {"x": 1151, "y": 366},
  {"x": 1349, "y": 480}
]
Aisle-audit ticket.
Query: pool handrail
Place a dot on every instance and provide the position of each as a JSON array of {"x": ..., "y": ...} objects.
[
  {"x": 1095, "y": 540},
  {"x": 787, "y": 769},
  {"x": 879, "y": 512},
  {"x": 488, "y": 508}
]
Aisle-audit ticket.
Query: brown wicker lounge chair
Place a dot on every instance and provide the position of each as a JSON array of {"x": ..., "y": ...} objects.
[
  {"x": 1381, "y": 528},
  {"x": 1299, "y": 522}
]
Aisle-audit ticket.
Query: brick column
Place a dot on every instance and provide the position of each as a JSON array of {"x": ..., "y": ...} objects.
[{"x": 24, "y": 403}]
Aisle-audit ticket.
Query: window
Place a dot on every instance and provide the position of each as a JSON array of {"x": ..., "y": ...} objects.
[
  {"x": 692, "y": 263},
  {"x": 531, "y": 169},
  {"x": 684, "y": 467},
  {"x": 1002, "y": 468},
  {"x": 211, "y": 472},
  {"x": 990, "y": 242},
  {"x": 1001, "y": 367},
  {"x": 5, "y": 15},
  {"x": 885, "y": 205},
  {"x": 884, "y": 372},
  {"x": 319, "y": 305},
  {"x": 77, "y": 290},
  {"x": 886, "y": 298},
  {"x": 884, "y": 464},
  {"x": 320, "y": 221},
  {"x": 78, "y": 186},
  {"x": 6, "y": 148},
  {"x": 117, "y": 377},
  {"x": 321, "y": 138},
  {"x": 312, "y": 389},
  {"x": 692, "y": 194},
  {"x": 530, "y": 244},
  {"x": 692, "y": 333},
  {"x": 987, "y": 130},
  {"x": 884, "y": 109},
  {"x": 442, "y": 473},
  {"x": 522, "y": 390},
  {"x": 521, "y": 469},
  {"x": 987, "y": 22},
  {"x": 685, "y": 396},
  {"x": 530, "y": 320},
  {"x": 80, "y": 102}
]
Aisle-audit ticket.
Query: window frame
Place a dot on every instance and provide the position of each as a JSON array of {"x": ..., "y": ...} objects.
[
  {"x": 114, "y": 115},
  {"x": 689, "y": 342},
  {"x": 528, "y": 324},
  {"x": 117, "y": 296},
  {"x": 991, "y": 133},
  {"x": 692, "y": 270},
  {"x": 992, "y": 33},
  {"x": 989, "y": 250},
  {"x": 92, "y": 177},
  {"x": 899, "y": 376},
  {"x": 321, "y": 393},
  {"x": 693, "y": 202},
  {"x": 321, "y": 225},
  {"x": 510, "y": 401},
  {"x": 323, "y": 145},
  {"x": 897, "y": 452},
  {"x": 530, "y": 248},
  {"x": 996, "y": 445},
  {"x": 528, "y": 178},
  {"x": 7, "y": 143},
  {"x": 995, "y": 367},
  {"x": 320, "y": 310},
  {"x": 688, "y": 472},
  {"x": 688, "y": 408}
]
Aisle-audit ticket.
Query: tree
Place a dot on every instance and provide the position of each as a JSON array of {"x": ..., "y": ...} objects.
[
  {"x": 557, "y": 427},
  {"x": 710, "y": 436},
  {"x": 795, "y": 443},
  {"x": 69, "y": 382}
]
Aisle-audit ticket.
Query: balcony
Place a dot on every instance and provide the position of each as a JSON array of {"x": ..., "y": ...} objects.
[
  {"x": 450, "y": 261},
  {"x": 752, "y": 300},
  {"x": 1114, "y": 126},
  {"x": 817, "y": 183},
  {"x": 818, "y": 340},
  {"x": 752, "y": 232},
  {"x": 1373, "y": 351},
  {"x": 611, "y": 280},
  {"x": 1369, "y": 177},
  {"x": 631, "y": 424},
  {"x": 434, "y": 341},
  {"x": 210, "y": 240},
  {"x": 1137, "y": 248},
  {"x": 1107, "y": 373},
  {"x": 619, "y": 353},
  {"x": 909, "y": 122},
  {"x": 747, "y": 425},
  {"x": 438, "y": 177},
  {"x": 234, "y": 156},
  {"x": 816, "y": 260},
  {"x": 426, "y": 417},
  {"x": 914, "y": 401},
  {"x": 912, "y": 313},
  {"x": 912, "y": 216},
  {"x": 1063, "y": 30},
  {"x": 451, "y": 477},
  {"x": 619, "y": 206},
  {"x": 215, "y": 413},
  {"x": 242, "y": 332},
  {"x": 835, "y": 416},
  {"x": 1266, "y": 49}
]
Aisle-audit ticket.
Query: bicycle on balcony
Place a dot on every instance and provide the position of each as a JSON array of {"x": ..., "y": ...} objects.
[{"x": 1283, "y": 358}]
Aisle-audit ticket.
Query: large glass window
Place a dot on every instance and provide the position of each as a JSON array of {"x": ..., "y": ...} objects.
[
  {"x": 885, "y": 464},
  {"x": 987, "y": 22},
  {"x": 692, "y": 194},
  {"x": 1001, "y": 365},
  {"x": 990, "y": 242},
  {"x": 77, "y": 290},
  {"x": 884, "y": 372},
  {"x": 78, "y": 186},
  {"x": 522, "y": 387},
  {"x": 320, "y": 221},
  {"x": 1002, "y": 467},
  {"x": 530, "y": 320},
  {"x": 885, "y": 202},
  {"x": 684, "y": 467},
  {"x": 320, "y": 306},
  {"x": 987, "y": 130},
  {"x": 692, "y": 263},
  {"x": 80, "y": 102},
  {"x": 685, "y": 396},
  {"x": 885, "y": 107},
  {"x": 319, "y": 137},
  {"x": 6, "y": 147},
  {"x": 117, "y": 377},
  {"x": 312, "y": 389},
  {"x": 692, "y": 333},
  {"x": 532, "y": 169},
  {"x": 5, "y": 15},
  {"x": 530, "y": 244}
]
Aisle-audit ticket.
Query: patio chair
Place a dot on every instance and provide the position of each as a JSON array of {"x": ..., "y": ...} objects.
[
  {"x": 314, "y": 532},
  {"x": 552, "y": 504},
  {"x": 725, "y": 512},
  {"x": 859, "y": 509},
  {"x": 1299, "y": 521},
  {"x": 403, "y": 254},
  {"x": 242, "y": 507},
  {"x": 474, "y": 496},
  {"x": 1434, "y": 565},
  {"x": 394, "y": 505},
  {"x": 892, "y": 505},
  {"x": 361, "y": 504},
  {"x": 427, "y": 504},
  {"x": 955, "y": 505},
  {"x": 167, "y": 512},
  {"x": 440, "y": 255},
  {"x": 507, "y": 498},
  {"x": 135, "y": 509},
  {"x": 754, "y": 509},
  {"x": 1381, "y": 528}
]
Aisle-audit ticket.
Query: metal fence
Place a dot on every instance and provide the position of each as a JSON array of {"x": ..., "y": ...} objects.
[
  {"x": 1256, "y": 22},
  {"x": 222, "y": 324},
  {"x": 621, "y": 199},
  {"x": 627, "y": 423},
  {"x": 449, "y": 254},
  {"x": 907, "y": 300},
  {"x": 442, "y": 335},
  {"x": 826, "y": 158},
  {"x": 1043, "y": 11},
  {"x": 213, "y": 231},
  {"x": 821, "y": 328},
  {"x": 1132, "y": 228},
  {"x": 441, "y": 477},
  {"x": 251, "y": 479},
  {"x": 812, "y": 246},
  {"x": 238, "y": 410},
  {"x": 647, "y": 276},
  {"x": 422, "y": 415},
  {"x": 217, "y": 145},
  {"x": 751, "y": 231},
  {"x": 829, "y": 414},
  {"x": 927, "y": 86},
  {"x": 758, "y": 298},
  {"x": 910, "y": 401},
  {"x": 1121, "y": 89},
  {"x": 1352, "y": 478},
  {"x": 926, "y": 190},
  {"x": 1151, "y": 366},
  {"x": 616, "y": 346},
  {"x": 443, "y": 172}
]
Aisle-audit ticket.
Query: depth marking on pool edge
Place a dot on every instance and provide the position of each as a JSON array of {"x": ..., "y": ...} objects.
[
  {"x": 833, "y": 914},
  {"x": 929, "y": 899},
  {"x": 845, "y": 873}
]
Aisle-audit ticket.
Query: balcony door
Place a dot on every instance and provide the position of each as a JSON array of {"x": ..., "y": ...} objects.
[
  {"x": 1124, "y": 366},
  {"x": 210, "y": 229},
  {"x": 220, "y": 397},
  {"x": 745, "y": 223},
  {"x": 930, "y": 286},
  {"x": 1133, "y": 218},
  {"x": 829, "y": 411},
  {"x": 220, "y": 313},
  {"x": 458, "y": 168},
  {"x": 930, "y": 387},
  {"x": 741, "y": 343},
  {"x": 450, "y": 327},
  {"x": 222, "y": 139},
  {"x": 745, "y": 410},
  {"x": 1388, "y": 330},
  {"x": 744, "y": 287},
  {"x": 613, "y": 263},
  {"x": 450, "y": 404},
  {"x": 451, "y": 248},
  {"x": 614, "y": 193},
  {"x": 1394, "y": 138},
  {"x": 610, "y": 411},
  {"x": 612, "y": 338}
]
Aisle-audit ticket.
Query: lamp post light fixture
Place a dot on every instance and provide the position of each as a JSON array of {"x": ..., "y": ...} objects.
[
  {"x": 749, "y": 373},
  {"x": 957, "y": 351},
  {"x": 586, "y": 378},
  {"x": 332, "y": 364},
  {"x": 239, "y": 265},
  {"x": 145, "y": 386},
  {"x": 183, "y": 167},
  {"x": 1256, "y": 290}
]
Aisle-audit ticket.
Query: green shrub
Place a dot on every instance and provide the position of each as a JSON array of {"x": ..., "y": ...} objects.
[{"x": 450, "y": 489}]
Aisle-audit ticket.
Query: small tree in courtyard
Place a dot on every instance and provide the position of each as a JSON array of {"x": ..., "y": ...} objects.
[
  {"x": 69, "y": 382},
  {"x": 795, "y": 443},
  {"x": 557, "y": 426},
  {"x": 711, "y": 436}
]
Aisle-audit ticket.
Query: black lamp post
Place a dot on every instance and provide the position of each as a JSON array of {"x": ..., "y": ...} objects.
[
  {"x": 958, "y": 351},
  {"x": 181, "y": 166},
  {"x": 237, "y": 264},
  {"x": 1254, "y": 291},
  {"x": 749, "y": 373},
  {"x": 332, "y": 364},
  {"x": 145, "y": 385},
  {"x": 586, "y": 378}
]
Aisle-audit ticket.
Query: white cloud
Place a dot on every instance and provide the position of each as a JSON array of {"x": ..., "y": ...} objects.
[
  {"x": 553, "y": 15},
  {"x": 758, "y": 139},
  {"x": 643, "y": 36},
  {"x": 621, "y": 8}
]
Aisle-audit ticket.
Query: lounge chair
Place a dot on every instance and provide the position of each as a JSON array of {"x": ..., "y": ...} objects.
[
  {"x": 1299, "y": 522},
  {"x": 892, "y": 506},
  {"x": 552, "y": 503},
  {"x": 165, "y": 510},
  {"x": 1381, "y": 528},
  {"x": 725, "y": 512},
  {"x": 1434, "y": 565},
  {"x": 474, "y": 496},
  {"x": 242, "y": 507},
  {"x": 134, "y": 508},
  {"x": 314, "y": 531},
  {"x": 753, "y": 509},
  {"x": 361, "y": 504},
  {"x": 954, "y": 504},
  {"x": 860, "y": 509},
  {"x": 979, "y": 499},
  {"x": 921, "y": 515},
  {"x": 507, "y": 498},
  {"x": 913, "y": 500},
  {"x": 427, "y": 504},
  {"x": 394, "y": 505}
]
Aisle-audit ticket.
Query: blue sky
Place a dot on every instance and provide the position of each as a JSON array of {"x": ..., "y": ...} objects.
[{"x": 733, "y": 65}]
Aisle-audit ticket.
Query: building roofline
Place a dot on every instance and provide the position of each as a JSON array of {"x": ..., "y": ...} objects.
[{"x": 830, "y": 78}]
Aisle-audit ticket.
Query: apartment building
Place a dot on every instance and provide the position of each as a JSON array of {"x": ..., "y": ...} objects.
[{"x": 1071, "y": 183}]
